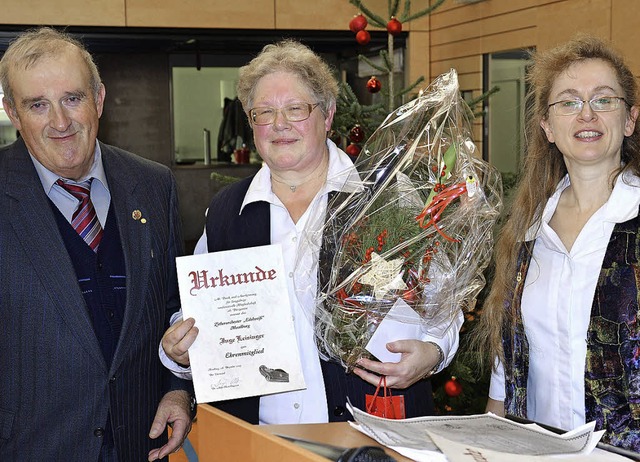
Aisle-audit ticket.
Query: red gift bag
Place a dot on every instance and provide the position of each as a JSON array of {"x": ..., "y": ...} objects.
[{"x": 387, "y": 406}]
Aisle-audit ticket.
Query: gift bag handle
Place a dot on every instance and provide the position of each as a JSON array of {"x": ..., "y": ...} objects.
[{"x": 386, "y": 392}]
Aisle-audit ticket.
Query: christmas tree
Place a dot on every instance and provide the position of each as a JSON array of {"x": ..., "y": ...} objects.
[{"x": 355, "y": 121}]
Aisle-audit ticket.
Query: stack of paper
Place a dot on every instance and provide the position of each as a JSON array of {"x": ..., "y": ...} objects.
[{"x": 482, "y": 437}]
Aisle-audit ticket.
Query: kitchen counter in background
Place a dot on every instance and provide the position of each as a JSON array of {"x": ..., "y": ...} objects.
[{"x": 195, "y": 190}]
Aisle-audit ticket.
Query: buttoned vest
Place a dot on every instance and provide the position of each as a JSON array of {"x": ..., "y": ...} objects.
[{"x": 612, "y": 366}]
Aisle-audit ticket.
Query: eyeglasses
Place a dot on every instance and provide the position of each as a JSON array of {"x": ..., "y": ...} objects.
[
  {"x": 597, "y": 104},
  {"x": 292, "y": 113}
]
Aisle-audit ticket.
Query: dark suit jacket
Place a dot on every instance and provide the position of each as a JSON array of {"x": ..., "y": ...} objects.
[{"x": 55, "y": 387}]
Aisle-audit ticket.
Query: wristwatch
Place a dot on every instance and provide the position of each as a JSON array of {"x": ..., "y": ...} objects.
[
  {"x": 193, "y": 406},
  {"x": 439, "y": 363}
]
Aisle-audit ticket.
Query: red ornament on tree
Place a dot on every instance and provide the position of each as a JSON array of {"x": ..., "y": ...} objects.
[
  {"x": 356, "y": 134},
  {"x": 374, "y": 85},
  {"x": 357, "y": 23},
  {"x": 452, "y": 387},
  {"x": 363, "y": 37},
  {"x": 394, "y": 27},
  {"x": 353, "y": 149}
]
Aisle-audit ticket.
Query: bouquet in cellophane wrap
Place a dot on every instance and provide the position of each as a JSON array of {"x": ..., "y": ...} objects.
[{"x": 416, "y": 229}]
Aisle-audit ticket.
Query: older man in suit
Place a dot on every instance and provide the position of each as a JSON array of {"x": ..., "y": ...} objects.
[{"x": 88, "y": 239}]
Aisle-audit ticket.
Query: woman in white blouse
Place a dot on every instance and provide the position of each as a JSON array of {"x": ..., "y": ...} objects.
[
  {"x": 289, "y": 94},
  {"x": 561, "y": 316}
]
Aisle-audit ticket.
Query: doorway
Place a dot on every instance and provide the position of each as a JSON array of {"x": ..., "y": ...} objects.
[{"x": 506, "y": 109}]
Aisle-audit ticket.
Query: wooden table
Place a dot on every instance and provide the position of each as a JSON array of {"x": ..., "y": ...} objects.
[
  {"x": 337, "y": 434},
  {"x": 222, "y": 437}
]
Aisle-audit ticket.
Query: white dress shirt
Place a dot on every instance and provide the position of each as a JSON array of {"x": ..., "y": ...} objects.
[
  {"x": 309, "y": 405},
  {"x": 65, "y": 201},
  {"x": 556, "y": 307}
]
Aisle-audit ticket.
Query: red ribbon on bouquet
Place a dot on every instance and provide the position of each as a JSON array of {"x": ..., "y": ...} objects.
[{"x": 437, "y": 206}]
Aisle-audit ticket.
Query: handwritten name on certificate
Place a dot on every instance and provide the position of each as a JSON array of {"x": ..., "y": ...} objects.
[{"x": 246, "y": 344}]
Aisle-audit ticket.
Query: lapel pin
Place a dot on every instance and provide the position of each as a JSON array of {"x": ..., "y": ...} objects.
[{"x": 136, "y": 215}]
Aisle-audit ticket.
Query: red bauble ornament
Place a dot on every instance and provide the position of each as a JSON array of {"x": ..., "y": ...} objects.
[
  {"x": 452, "y": 387},
  {"x": 363, "y": 37},
  {"x": 374, "y": 85},
  {"x": 356, "y": 134},
  {"x": 357, "y": 23},
  {"x": 353, "y": 149},
  {"x": 394, "y": 27}
]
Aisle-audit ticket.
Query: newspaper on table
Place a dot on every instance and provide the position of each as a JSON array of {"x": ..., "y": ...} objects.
[{"x": 485, "y": 437}]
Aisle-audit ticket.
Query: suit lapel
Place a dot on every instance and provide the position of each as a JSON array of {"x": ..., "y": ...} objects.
[
  {"x": 35, "y": 226},
  {"x": 136, "y": 242}
]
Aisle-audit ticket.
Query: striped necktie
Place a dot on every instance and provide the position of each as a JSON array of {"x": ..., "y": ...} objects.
[{"x": 84, "y": 220}]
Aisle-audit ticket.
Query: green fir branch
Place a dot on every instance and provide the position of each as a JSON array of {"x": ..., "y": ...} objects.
[
  {"x": 346, "y": 93},
  {"x": 482, "y": 97},
  {"x": 373, "y": 109},
  {"x": 371, "y": 16},
  {"x": 386, "y": 216},
  {"x": 384, "y": 54},
  {"x": 350, "y": 112},
  {"x": 406, "y": 10},
  {"x": 393, "y": 7},
  {"x": 356, "y": 109},
  {"x": 474, "y": 108},
  {"x": 422, "y": 13},
  {"x": 372, "y": 64},
  {"x": 411, "y": 87}
]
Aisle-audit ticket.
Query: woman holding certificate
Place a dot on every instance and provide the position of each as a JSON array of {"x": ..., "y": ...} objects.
[
  {"x": 562, "y": 315},
  {"x": 289, "y": 95}
]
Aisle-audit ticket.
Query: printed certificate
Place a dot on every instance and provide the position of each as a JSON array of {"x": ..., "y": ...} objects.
[{"x": 246, "y": 344}]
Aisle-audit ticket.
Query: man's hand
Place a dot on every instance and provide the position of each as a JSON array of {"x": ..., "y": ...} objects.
[
  {"x": 174, "y": 409},
  {"x": 418, "y": 358},
  {"x": 177, "y": 340}
]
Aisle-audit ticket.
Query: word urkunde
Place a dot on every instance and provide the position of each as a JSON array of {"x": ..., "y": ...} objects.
[{"x": 202, "y": 280}]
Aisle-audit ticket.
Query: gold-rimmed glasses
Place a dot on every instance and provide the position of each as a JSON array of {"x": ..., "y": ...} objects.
[{"x": 296, "y": 112}]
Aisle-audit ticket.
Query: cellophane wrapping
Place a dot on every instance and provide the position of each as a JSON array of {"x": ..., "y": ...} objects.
[{"x": 416, "y": 227}]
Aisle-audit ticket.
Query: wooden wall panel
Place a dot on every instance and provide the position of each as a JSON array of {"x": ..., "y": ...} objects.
[
  {"x": 233, "y": 14},
  {"x": 462, "y": 65},
  {"x": 418, "y": 58},
  {"x": 452, "y": 13},
  {"x": 625, "y": 32},
  {"x": 314, "y": 15},
  {"x": 518, "y": 20},
  {"x": 486, "y": 44},
  {"x": 562, "y": 21},
  {"x": 63, "y": 12},
  {"x": 470, "y": 81},
  {"x": 321, "y": 14}
]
